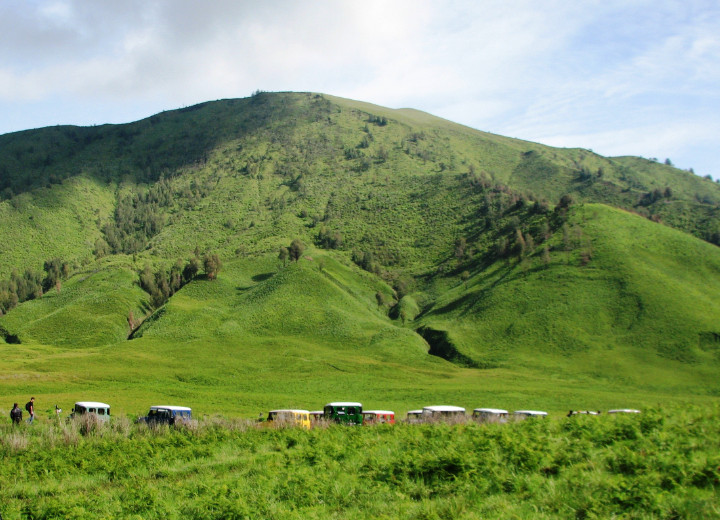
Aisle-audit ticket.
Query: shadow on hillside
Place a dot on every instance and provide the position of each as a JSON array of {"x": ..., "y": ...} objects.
[
  {"x": 146, "y": 149},
  {"x": 442, "y": 346},
  {"x": 10, "y": 339},
  {"x": 466, "y": 302},
  {"x": 262, "y": 277},
  {"x": 257, "y": 279},
  {"x": 147, "y": 322}
]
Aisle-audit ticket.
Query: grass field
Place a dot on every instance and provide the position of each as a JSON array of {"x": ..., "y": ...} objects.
[{"x": 662, "y": 463}]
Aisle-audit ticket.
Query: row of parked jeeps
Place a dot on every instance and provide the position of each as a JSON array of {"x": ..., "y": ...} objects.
[{"x": 350, "y": 413}]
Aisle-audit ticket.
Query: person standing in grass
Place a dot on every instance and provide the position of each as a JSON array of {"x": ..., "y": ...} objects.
[
  {"x": 30, "y": 407},
  {"x": 16, "y": 414}
]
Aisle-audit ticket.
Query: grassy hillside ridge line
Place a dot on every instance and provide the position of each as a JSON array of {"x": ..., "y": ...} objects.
[
  {"x": 143, "y": 149},
  {"x": 278, "y": 196},
  {"x": 252, "y": 114}
]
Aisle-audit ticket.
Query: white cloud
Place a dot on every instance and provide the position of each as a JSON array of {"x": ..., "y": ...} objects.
[
  {"x": 56, "y": 12},
  {"x": 659, "y": 140}
]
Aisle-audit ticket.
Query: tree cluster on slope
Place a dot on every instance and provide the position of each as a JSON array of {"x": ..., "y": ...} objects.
[
  {"x": 297, "y": 247},
  {"x": 140, "y": 216},
  {"x": 32, "y": 284},
  {"x": 378, "y": 120},
  {"x": 329, "y": 239},
  {"x": 293, "y": 252},
  {"x": 163, "y": 283},
  {"x": 137, "y": 218},
  {"x": 655, "y": 195}
]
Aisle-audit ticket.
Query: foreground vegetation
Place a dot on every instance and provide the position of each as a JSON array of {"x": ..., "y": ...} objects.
[{"x": 663, "y": 463}]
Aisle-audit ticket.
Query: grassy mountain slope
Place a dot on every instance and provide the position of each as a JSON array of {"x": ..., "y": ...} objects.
[
  {"x": 260, "y": 337},
  {"x": 57, "y": 221},
  {"x": 422, "y": 204},
  {"x": 648, "y": 297},
  {"x": 550, "y": 172},
  {"x": 263, "y": 335},
  {"x": 240, "y": 172},
  {"x": 91, "y": 309}
]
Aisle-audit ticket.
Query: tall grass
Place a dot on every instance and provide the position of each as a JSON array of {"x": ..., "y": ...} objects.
[{"x": 663, "y": 463}]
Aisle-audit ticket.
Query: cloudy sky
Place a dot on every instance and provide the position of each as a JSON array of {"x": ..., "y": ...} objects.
[{"x": 630, "y": 77}]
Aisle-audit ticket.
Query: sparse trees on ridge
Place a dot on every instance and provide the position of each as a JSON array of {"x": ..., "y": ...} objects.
[
  {"x": 32, "y": 284},
  {"x": 283, "y": 254},
  {"x": 296, "y": 249},
  {"x": 211, "y": 265}
]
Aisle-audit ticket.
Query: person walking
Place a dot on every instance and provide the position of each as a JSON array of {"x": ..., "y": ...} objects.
[
  {"x": 16, "y": 414},
  {"x": 30, "y": 407}
]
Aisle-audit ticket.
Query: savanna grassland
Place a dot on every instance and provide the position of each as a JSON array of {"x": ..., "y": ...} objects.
[{"x": 287, "y": 250}]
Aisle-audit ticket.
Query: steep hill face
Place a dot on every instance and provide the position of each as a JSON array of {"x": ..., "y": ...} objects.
[{"x": 421, "y": 235}]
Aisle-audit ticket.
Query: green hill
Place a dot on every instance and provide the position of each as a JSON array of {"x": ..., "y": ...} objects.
[
  {"x": 441, "y": 263},
  {"x": 647, "y": 296}
]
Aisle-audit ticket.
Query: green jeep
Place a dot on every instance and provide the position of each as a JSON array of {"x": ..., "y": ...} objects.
[{"x": 343, "y": 413}]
